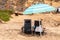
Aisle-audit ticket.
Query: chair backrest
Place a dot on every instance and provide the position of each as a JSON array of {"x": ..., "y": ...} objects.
[
  {"x": 36, "y": 23},
  {"x": 27, "y": 25},
  {"x": 58, "y": 9}
]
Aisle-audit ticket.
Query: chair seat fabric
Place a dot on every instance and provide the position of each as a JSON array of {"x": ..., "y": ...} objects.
[{"x": 39, "y": 29}]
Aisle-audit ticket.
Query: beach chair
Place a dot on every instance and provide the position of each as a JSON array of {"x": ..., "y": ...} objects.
[
  {"x": 36, "y": 24},
  {"x": 16, "y": 13},
  {"x": 58, "y": 10},
  {"x": 27, "y": 26},
  {"x": 38, "y": 28}
]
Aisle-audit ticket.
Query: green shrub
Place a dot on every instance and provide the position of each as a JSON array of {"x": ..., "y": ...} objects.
[{"x": 5, "y": 15}]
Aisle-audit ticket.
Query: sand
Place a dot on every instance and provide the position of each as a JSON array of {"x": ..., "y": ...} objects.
[{"x": 12, "y": 29}]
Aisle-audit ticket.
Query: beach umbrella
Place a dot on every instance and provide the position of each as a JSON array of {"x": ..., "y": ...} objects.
[{"x": 39, "y": 8}]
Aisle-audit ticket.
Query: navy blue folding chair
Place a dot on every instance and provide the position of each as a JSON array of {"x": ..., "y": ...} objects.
[{"x": 27, "y": 26}]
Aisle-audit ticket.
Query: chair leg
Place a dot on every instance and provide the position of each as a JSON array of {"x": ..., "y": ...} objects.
[
  {"x": 22, "y": 29},
  {"x": 33, "y": 32},
  {"x": 40, "y": 33}
]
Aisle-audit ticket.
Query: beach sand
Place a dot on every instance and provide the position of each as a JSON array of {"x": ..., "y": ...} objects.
[{"x": 12, "y": 29}]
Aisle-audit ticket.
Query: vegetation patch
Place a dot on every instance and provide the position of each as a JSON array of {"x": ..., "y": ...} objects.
[{"x": 5, "y": 15}]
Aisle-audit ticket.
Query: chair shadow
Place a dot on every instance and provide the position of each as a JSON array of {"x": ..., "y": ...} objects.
[
  {"x": 24, "y": 34},
  {"x": 30, "y": 35}
]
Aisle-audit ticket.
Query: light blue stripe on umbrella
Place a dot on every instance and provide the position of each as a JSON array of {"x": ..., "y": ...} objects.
[
  {"x": 39, "y": 8},
  {"x": 38, "y": 5}
]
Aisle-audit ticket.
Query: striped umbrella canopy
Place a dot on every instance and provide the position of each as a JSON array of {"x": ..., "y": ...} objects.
[{"x": 39, "y": 8}]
